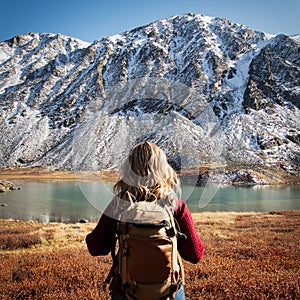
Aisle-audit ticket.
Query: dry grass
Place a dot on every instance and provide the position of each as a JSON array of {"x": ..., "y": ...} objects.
[
  {"x": 273, "y": 175},
  {"x": 40, "y": 174},
  {"x": 247, "y": 256}
]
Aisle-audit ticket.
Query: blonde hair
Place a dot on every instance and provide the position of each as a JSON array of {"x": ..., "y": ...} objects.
[{"x": 147, "y": 176}]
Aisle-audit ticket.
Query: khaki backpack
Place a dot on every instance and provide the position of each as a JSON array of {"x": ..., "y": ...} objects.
[{"x": 147, "y": 261}]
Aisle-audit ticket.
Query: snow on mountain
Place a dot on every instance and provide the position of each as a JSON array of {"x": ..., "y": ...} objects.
[
  {"x": 296, "y": 38},
  {"x": 205, "y": 89}
]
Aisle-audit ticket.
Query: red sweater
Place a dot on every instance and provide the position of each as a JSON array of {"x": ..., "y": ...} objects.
[{"x": 101, "y": 240}]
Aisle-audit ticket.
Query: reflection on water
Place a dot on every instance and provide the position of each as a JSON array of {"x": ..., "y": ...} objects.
[
  {"x": 47, "y": 202},
  {"x": 246, "y": 199},
  {"x": 73, "y": 201}
]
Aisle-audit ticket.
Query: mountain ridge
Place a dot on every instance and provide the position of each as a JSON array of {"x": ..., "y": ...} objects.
[{"x": 167, "y": 81}]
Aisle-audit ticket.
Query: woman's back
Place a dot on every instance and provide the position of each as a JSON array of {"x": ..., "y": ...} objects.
[{"x": 147, "y": 183}]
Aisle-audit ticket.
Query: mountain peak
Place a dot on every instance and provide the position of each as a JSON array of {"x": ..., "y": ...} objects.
[{"x": 188, "y": 79}]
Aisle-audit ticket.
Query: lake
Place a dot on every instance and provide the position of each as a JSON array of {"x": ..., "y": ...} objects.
[{"x": 74, "y": 201}]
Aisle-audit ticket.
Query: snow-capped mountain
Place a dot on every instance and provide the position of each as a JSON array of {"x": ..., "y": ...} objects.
[{"x": 207, "y": 90}]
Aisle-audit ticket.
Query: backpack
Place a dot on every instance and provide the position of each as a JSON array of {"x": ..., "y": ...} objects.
[{"x": 147, "y": 261}]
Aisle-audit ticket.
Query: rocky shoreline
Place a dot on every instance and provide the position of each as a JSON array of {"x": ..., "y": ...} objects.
[
  {"x": 235, "y": 174},
  {"x": 6, "y": 186}
]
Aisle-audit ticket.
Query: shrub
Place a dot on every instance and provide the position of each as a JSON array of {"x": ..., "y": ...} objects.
[
  {"x": 22, "y": 237},
  {"x": 249, "y": 258}
]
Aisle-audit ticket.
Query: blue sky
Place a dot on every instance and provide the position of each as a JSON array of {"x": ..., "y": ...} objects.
[{"x": 90, "y": 20}]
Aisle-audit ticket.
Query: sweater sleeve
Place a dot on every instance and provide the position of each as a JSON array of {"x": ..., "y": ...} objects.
[
  {"x": 190, "y": 248},
  {"x": 101, "y": 240}
]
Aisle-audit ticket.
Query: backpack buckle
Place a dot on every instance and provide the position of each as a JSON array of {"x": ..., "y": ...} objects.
[{"x": 171, "y": 232}]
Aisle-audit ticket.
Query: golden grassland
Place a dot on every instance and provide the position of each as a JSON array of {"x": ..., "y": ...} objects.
[
  {"x": 42, "y": 174},
  {"x": 247, "y": 256},
  {"x": 272, "y": 175}
]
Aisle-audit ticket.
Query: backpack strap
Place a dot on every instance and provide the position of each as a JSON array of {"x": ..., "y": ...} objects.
[
  {"x": 182, "y": 275},
  {"x": 180, "y": 235},
  {"x": 178, "y": 277}
]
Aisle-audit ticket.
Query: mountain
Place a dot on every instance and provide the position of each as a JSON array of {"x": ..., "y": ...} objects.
[{"x": 209, "y": 91}]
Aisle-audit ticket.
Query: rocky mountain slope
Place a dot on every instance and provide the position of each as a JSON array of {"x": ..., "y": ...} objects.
[{"x": 207, "y": 90}]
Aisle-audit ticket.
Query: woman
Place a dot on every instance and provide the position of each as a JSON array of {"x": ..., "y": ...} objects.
[{"x": 146, "y": 176}]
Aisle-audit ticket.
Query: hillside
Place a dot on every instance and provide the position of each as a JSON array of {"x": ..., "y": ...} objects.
[{"x": 207, "y": 90}]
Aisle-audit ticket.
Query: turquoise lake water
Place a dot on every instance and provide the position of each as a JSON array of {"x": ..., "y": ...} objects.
[{"x": 74, "y": 201}]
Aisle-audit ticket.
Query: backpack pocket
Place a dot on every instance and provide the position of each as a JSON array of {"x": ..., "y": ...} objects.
[
  {"x": 148, "y": 259},
  {"x": 141, "y": 291}
]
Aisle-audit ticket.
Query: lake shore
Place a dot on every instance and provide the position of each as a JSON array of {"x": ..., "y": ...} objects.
[
  {"x": 247, "y": 256},
  {"x": 233, "y": 175},
  {"x": 42, "y": 174}
]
